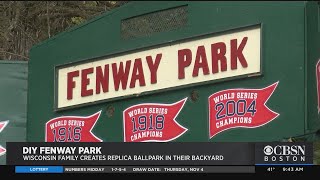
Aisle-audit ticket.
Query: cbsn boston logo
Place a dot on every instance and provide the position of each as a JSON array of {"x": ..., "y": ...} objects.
[{"x": 285, "y": 153}]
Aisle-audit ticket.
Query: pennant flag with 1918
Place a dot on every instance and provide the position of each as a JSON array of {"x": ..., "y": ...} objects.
[
  {"x": 152, "y": 122},
  {"x": 246, "y": 108}
]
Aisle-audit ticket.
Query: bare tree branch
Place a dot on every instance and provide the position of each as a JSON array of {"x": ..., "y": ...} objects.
[
  {"x": 25, "y": 23},
  {"x": 48, "y": 19},
  {"x": 14, "y": 54}
]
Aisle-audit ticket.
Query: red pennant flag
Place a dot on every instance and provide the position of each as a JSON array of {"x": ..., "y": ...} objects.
[
  {"x": 72, "y": 129},
  {"x": 245, "y": 108},
  {"x": 318, "y": 83},
  {"x": 3, "y": 124},
  {"x": 151, "y": 122},
  {"x": 2, "y": 150}
]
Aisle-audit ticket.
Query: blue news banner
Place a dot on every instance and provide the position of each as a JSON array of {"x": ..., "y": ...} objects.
[{"x": 174, "y": 157}]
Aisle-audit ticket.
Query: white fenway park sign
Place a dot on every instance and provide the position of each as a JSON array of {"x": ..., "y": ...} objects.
[{"x": 211, "y": 57}]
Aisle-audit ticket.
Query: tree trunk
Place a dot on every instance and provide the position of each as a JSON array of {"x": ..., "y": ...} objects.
[{"x": 48, "y": 19}]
